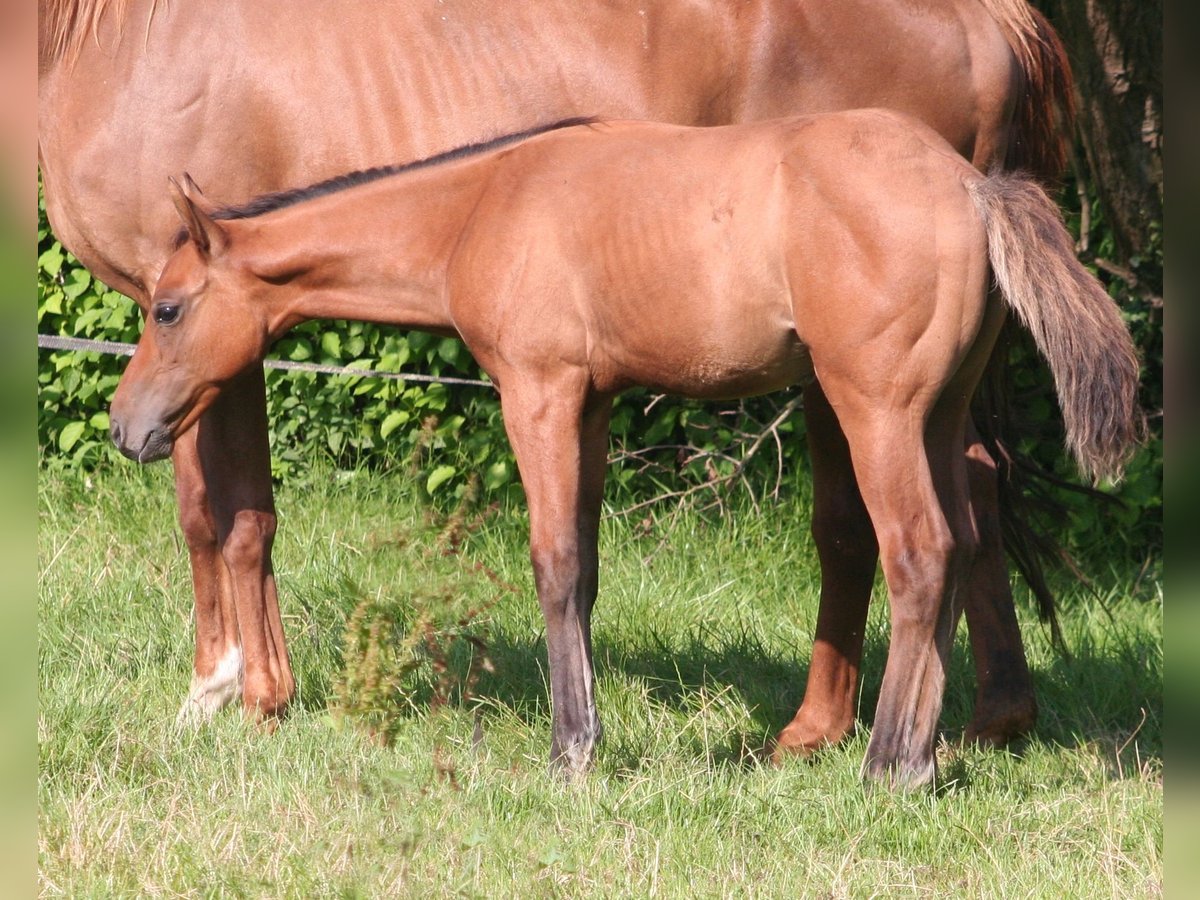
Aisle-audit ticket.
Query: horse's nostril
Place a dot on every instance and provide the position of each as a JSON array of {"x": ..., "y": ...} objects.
[{"x": 114, "y": 432}]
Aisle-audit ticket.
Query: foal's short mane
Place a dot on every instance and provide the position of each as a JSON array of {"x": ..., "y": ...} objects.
[{"x": 269, "y": 202}]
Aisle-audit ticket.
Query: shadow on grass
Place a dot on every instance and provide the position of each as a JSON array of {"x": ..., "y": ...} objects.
[
  {"x": 1106, "y": 696},
  {"x": 1108, "y": 702}
]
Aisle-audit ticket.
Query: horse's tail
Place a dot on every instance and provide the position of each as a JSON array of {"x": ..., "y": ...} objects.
[
  {"x": 1039, "y": 140},
  {"x": 1077, "y": 327}
]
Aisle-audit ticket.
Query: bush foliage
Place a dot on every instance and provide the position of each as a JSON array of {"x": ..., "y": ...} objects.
[{"x": 452, "y": 434}]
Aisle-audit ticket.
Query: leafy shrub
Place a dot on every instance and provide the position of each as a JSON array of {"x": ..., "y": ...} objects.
[
  {"x": 665, "y": 448},
  {"x": 427, "y": 646}
]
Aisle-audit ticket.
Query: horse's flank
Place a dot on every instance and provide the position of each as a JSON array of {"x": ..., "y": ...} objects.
[{"x": 1041, "y": 128}]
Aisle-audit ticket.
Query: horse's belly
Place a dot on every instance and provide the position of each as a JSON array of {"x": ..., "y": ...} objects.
[{"x": 713, "y": 369}]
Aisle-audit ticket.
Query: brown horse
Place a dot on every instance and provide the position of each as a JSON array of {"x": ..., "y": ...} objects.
[
  {"x": 260, "y": 96},
  {"x": 850, "y": 249}
]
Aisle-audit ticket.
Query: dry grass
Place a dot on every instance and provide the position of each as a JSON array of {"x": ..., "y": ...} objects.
[{"x": 701, "y": 650}]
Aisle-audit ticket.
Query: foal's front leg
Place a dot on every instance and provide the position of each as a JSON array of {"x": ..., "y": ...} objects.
[{"x": 560, "y": 438}]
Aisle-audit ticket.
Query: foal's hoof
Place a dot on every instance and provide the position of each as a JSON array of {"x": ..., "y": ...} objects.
[
  {"x": 571, "y": 768},
  {"x": 571, "y": 762},
  {"x": 900, "y": 775}
]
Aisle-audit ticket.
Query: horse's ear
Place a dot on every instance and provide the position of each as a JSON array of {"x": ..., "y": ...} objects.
[{"x": 196, "y": 211}]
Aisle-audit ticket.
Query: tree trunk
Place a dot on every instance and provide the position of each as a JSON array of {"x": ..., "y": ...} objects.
[{"x": 1115, "y": 47}]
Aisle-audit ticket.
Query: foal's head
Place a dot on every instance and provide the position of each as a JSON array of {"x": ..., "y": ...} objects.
[{"x": 206, "y": 325}]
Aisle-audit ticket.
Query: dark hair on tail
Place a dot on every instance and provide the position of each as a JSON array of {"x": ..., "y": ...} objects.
[
  {"x": 1043, "y": 121},
  {"x": 1075, "y": 324}
]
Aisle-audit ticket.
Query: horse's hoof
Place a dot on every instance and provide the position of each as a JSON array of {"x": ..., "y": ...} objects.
[
  {"x": 994, "y": 729},
  {"x": 800, "y": 739},
  {"x": 209, "y": 694}
]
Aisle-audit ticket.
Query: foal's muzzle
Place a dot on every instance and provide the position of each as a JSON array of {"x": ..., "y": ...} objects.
[{"x": 149, "y": 446}]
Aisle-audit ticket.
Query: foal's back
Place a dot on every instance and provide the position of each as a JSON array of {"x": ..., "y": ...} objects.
[{"x": 714, "y": 262}]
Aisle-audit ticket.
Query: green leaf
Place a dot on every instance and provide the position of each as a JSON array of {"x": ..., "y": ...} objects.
[
  {"x": 331, "y": 343},
  {"x": 496, "y": 475},
  {"x": 50, "y": 302},
  {"x": 449, "y": 349},
  {"x": 76, "y": 283},
  {"x": 51, "y": 261},
  {"x": 70, "y": 434},
  {"x": 392, "y": 421},
  {"x": 438, "y": 477},
  {"x": 299, "y": 352}
]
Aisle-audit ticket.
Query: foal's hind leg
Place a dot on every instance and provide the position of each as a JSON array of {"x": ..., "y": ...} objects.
[
  {"x": 907, "y": 452},
  {"x": 848, "y": 552},
  {"x": 560, "y": 438},
  {"x": 913, "y": 482}
]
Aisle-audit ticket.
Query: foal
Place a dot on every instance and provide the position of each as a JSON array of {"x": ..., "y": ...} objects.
[{"x": 853, "y": 252}]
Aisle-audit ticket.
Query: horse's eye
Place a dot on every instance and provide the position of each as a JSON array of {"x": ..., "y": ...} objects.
[{"x": 166, "y": 313}]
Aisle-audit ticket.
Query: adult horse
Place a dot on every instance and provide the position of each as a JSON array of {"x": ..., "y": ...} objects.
[
  {"x": 261, "y": 96},
  {"x": 854, "y": 249}
]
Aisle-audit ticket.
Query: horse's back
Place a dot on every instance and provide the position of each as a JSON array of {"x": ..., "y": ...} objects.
[
  {"x": 266, "y": 96},
  {"x": 707, "y": 261}
]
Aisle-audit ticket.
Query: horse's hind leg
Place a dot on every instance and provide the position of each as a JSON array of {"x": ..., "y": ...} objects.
[
  {"x": 234, "y": 460},
  {"x": 848, "y": 552},
  {"x": 1005, "y": 706},
  {"x": 560, "y": 438}
]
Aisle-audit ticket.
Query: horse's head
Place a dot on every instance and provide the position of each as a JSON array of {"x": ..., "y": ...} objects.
[{"x": 202, "y": 330}]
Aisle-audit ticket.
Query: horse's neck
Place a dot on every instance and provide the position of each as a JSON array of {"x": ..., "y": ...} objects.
[{"x": 376, "y": 253}]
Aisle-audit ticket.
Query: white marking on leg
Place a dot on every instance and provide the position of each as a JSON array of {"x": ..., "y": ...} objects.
[{"x": 211, "y": 693}]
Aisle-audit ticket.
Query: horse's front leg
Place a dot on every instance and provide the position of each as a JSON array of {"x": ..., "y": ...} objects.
[
  {"x": 217, "y": 664},
  {"x": 560, "y": 438},
  {"x": 223, "y": 478}
]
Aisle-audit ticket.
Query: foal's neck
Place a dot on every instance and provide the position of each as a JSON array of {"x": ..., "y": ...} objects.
[{"x": 378, "y": 252}]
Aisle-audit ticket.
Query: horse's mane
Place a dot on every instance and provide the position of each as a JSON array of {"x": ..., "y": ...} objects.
[
  {"x": 268, "y": 202},
  {"x": 64, "y": 25}
]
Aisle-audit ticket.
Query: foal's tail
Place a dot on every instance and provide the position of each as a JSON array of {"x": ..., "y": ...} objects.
[{"x": 1074, "y": 323}]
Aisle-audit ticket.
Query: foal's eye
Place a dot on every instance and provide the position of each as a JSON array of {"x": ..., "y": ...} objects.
[{"x": 166, "y": 313}]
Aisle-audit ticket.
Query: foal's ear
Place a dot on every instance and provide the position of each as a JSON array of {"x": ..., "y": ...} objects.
[{"x": 196, "y": 211}]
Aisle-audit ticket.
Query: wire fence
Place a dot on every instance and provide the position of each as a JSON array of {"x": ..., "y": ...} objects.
[{"x": 116, "y": 348}]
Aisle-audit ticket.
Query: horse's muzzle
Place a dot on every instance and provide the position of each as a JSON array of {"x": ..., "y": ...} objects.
[{"x": 154, "y": 445}]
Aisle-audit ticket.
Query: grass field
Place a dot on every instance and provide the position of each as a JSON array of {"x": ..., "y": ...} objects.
[{"x": 702, "y": 634}]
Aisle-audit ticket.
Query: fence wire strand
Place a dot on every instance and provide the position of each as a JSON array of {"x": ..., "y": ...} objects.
[{"x": 116, "y": 348}]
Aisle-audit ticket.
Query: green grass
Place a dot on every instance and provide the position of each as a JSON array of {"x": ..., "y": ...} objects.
[{"x": 702, "y": 640}]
